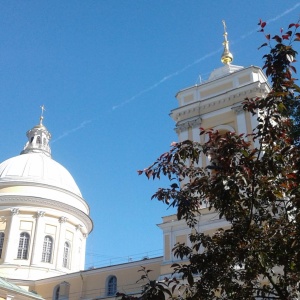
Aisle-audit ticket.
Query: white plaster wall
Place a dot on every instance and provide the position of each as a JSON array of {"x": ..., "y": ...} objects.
[{"x": 49, "y": 224}]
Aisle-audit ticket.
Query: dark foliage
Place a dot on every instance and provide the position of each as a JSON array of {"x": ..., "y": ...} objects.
[{"x": 256, "y": 189}]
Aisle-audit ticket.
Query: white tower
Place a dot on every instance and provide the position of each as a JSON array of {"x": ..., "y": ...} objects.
[
  {"x": 214, "y": 104},
  {"x": 218, "y": 102},
  {"x": 44, "y": 221}
]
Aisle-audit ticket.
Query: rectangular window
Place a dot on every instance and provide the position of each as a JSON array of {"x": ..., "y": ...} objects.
[{"x": 23, "y": 246}]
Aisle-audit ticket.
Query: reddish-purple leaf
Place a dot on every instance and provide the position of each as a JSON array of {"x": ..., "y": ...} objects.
[
  {"x": 297, "y": 36},
  {"x": 262, "y": 23},
  {"x": 277, "y": 39},
  {"x": 285, "y": 36},
  {"x": 263, "y": 45},
  {"x": 294, "y": 69}
]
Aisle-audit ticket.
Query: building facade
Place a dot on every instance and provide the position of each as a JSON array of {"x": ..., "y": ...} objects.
[{"x": 45, "y": 220}]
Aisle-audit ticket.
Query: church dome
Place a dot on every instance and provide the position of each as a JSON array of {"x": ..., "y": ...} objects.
[
  {"x": 37, "y": 168},
  {"x": 40, "y": 205}
]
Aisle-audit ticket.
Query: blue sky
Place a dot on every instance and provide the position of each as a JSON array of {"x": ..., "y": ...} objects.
[{"x": 107, "y": 73}]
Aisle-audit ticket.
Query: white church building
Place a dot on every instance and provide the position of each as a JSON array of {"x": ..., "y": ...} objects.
[{"x": 44, "y": 219}]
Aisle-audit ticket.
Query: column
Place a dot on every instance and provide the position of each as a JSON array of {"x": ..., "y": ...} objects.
[
  {"x": 196, "y": 129},
  {"x": 60, "y": 242},
  {"x": 11, "y": 238},
  {"x": 83, "y": 248},
  {"x": 240, "y": 119},
  {"x": 182, "y": 131},
  {"x": 38, "y": 238},
  {"x": 76, "y": 249}
]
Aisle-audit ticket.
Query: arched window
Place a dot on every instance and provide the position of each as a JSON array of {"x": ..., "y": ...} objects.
[
  {"x": 111, "y": 286},
  {"x": 1, "y": 242},
  {"x": 23, "y": 246},
  {"x": 61, "y": 291},
  {"x": 47, "y": 249},
  {"x": 38, "y": 140},
  {"x": 66, "y": 257},
  {"x": 56, "y": 292}
]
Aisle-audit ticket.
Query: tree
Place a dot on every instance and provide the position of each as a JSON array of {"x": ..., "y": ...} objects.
[{"x": 256, "y": 189}]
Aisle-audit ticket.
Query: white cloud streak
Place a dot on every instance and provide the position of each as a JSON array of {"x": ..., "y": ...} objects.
[
  {"x": 70, "y": 131},
  {"x": 167, "y": 77}
]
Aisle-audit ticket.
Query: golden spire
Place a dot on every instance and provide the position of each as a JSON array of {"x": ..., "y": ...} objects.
[{"x": 227, "y": 57}]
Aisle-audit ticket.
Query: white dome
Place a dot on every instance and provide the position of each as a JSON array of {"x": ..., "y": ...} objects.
[{"x": 37, "y": 168}]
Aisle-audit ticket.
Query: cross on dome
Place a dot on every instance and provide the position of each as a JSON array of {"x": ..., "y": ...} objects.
[
  {"x": 42, "y": 114},
  {"x": 226, "y": 57}
]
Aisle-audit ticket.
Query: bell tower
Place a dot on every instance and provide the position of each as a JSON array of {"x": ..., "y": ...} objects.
[{"x": 217, "y": 102}]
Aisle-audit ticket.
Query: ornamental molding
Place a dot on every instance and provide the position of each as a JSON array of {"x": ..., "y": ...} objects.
[
  {"x": 41, "y": 202},
  {"x": 14, "y": 211},
  {"x": 78, "y": 227},
  {"x": 40, "y": 214},
  {"x": 216, "y": 102},
  {"x": 28, "y": 182},
  {"x": 62, "y": 220},
  {"x": 238, "y": 109},
  {"x": 186, "y": 124}
]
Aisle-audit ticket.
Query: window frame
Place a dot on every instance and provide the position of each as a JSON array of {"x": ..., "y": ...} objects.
[
  {"x": 47, "y": 249},
  {"x": 23, "y": 247},
  {"x": 111, "y": 286},
  {"x": 66, "y": 255}
]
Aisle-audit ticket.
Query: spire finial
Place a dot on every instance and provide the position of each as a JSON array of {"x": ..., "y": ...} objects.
[
  {"x": 38, "y": 138},
  {"x": 42, "y": 114},
  {"x": 227, "y": 57}
]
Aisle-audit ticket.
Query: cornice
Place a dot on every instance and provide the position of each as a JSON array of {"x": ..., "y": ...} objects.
[
  {"x": 95, "y": 271},
  {"x": 33, "y": 184},
  {"x": 219, "y": 101},
  {"x": 42, "y": 202}
]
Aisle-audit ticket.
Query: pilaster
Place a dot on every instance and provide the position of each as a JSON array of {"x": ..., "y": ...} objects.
[
  {"x": 12, "y": 237},
  {"x": 38, "y": 238},
  {"x": 240, "y": 119},
  {"x": 61, "y": 241}
]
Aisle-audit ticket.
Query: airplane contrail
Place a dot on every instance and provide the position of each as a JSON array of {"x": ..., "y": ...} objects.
[
  {"x": 66, "y": 133},
  {"x": 272, "y": 20},
  {"x": 171, "y": 75},
  {"x": 167, "y": 77}
]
